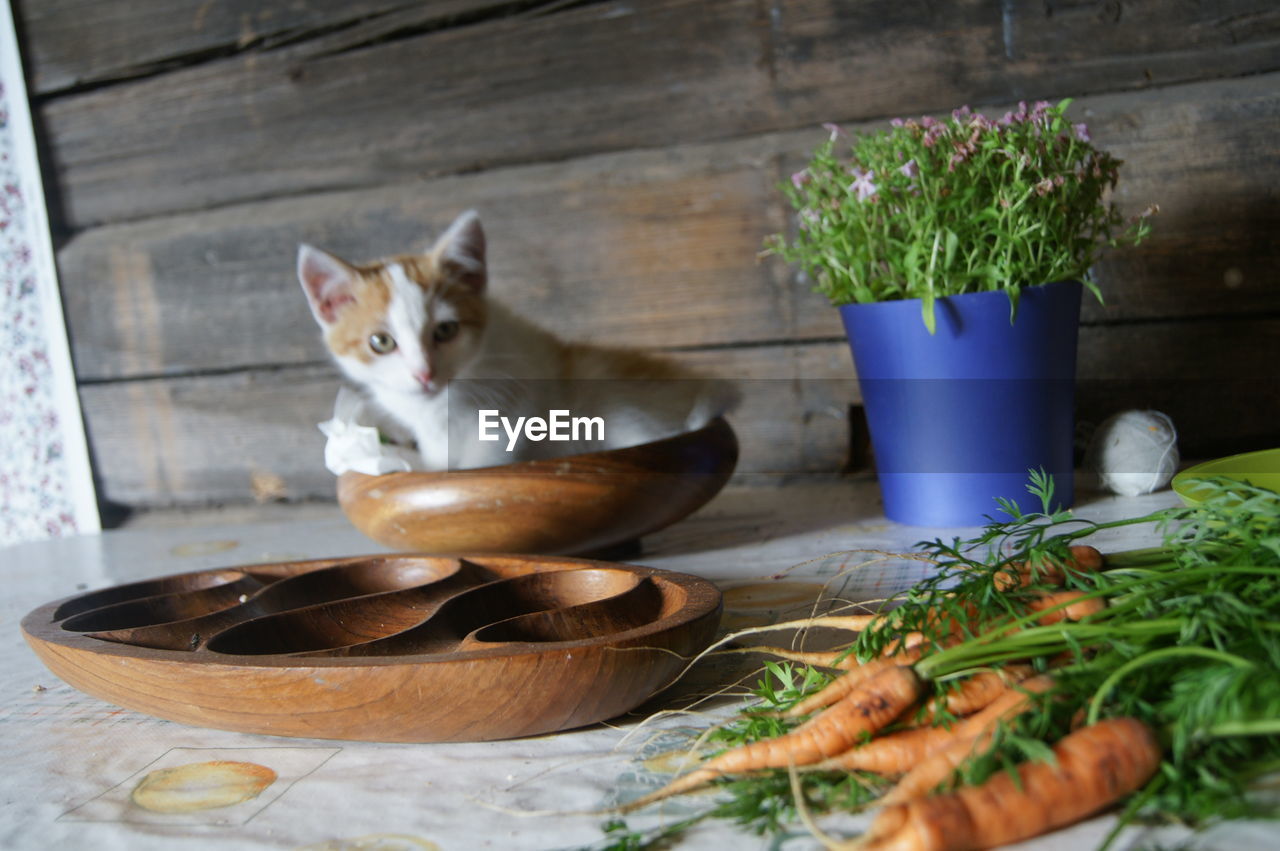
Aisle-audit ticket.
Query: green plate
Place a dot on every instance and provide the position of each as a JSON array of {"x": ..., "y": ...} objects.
[{"x": 1261, "y": 469}]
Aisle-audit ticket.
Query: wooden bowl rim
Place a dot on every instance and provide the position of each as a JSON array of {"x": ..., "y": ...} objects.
[
  {"x": 702, "y": 599},
  {"x": 717, "y": 428}
]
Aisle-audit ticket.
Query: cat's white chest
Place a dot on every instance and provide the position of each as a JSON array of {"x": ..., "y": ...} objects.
[{"x": 427, "y": 418}]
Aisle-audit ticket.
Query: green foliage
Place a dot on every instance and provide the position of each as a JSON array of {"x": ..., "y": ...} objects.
[
  {"x": 934, "y": 208},
  {"x": 765, "y": 805},
  {"x": 782, "y": 686},
  {"x": 620, "y": 837}
]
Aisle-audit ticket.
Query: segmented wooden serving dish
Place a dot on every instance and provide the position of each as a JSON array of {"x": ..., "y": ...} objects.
[{"x": 384, "y": 648}]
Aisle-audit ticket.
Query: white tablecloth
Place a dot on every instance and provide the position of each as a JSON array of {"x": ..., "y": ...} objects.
[{"x": 71, "y": 761}]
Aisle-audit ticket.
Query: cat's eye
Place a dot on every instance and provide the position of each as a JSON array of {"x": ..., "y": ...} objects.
[
  {"x": 381, "y": 342},
  {"x": 445, "y": 331}
]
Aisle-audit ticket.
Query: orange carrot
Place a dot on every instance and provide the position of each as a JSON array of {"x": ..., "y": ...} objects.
[
  {"x": 966, "y": 738},
  {"x": 1072, "y": 611},
  {"x": 1094, "y": 768},
  {"x": 837, "y": 688},
  {"x": 977, "y": 692},
  {"x": 903, "y": 642},
  {"x": 1083, "y": 559},
  {"x": 900, "y": 752},
  {"x": 838, "y": 659},
  {"x": 891, "y": 754},
  {"x": 862, "y": 712},
  {"x": 841, "y": 660},
  {"x": 853, "y": 678}
]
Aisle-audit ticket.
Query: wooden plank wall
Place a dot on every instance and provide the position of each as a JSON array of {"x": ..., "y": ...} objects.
[{"x": 625, "y": 158}]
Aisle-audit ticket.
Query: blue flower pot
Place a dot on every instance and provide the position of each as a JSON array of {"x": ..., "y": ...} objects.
[{"x": 960, "y": 417}]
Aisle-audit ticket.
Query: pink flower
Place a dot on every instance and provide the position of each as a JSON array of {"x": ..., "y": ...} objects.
[
  {"x": 897, "y": 122},
  {"x": 800, "y": 178},
  {"x": 1082, "y": 132},
  {"x": 910, "y": 169},
  {"x": 835, "y": 130},
  {"x": 862, "y": 187},
  {"x": 960, "y": 114}
]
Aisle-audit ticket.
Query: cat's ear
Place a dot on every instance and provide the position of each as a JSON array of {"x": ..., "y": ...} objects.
[
  {"x": 460, "y": 251},
  {"x": 327, "y": 282}
]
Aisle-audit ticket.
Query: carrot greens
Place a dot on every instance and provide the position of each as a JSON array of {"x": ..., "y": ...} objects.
[
  {"x": 1189, "y": 642},
  {"x": 1180, "y": 641}
]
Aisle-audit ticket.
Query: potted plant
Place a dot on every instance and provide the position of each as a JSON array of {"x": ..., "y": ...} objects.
[{"x": 956, "y": 251}]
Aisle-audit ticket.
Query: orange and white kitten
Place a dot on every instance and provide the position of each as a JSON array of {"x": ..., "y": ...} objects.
[{"x": 420, "y": 336}]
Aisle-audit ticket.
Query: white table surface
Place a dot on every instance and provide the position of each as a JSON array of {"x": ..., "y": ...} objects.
[{"x": 70, "y": 761}]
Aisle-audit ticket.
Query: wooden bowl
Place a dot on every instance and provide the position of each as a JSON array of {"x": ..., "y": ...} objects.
[
  {"x": 384, "y": 648},
  {"x": 573, "y": 505}
]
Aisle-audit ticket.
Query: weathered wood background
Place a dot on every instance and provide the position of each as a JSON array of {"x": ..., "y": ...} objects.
[{"x": 625, "y": 158}]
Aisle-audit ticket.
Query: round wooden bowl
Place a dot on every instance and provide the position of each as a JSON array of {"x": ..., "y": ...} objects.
[
  {"x": 573, "y": 505},
  {"x": 384, "y": 648}
]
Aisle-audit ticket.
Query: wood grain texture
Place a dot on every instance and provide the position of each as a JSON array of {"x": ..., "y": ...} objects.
[
  {"x": 459, "y": 99},
  {"x": 200, "y": 439},
  {"x": 658, "y": 249},
  {"x": 507, "y": 647},
  {"x": 575, "y": 505},
  {"x": 86, "y": 42},
  {"x": 599, "y": 78},
  {"x": 651, "y": 249},
  {"x": 625, "y": 158},
  {"x": 852, "y": 60}
]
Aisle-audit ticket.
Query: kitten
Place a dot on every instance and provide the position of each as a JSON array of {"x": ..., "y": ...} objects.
[{"x": 420, "y": 336}]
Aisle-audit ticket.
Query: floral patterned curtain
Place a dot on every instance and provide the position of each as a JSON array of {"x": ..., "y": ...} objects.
[{"x": 46, "y": 489}]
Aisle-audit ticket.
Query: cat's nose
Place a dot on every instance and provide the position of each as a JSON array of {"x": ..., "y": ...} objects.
[{"x": 423, "y": 377}]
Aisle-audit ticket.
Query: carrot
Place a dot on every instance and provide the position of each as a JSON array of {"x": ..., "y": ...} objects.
[
  {"x": 850, "y": 623},
  {"x": 838, "y": 659},
  {"x": 1083, "y": 559},
  {"x": 847, "y": 682},
  {"x": 890, "y": 754},
  {"x": 1065, "y": 605},
  {"x": 899, "y": 752},
  {"x": 1094, "y": 768},
  {"x": 841, "y": 660},
  {"x": 874, "y": 705},
  {"x": 977, "y": 692},
  {"x": 938, "y": 764},
  {"x": 1071, "y": 611},
  {"x": 905, "y": 641}
]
